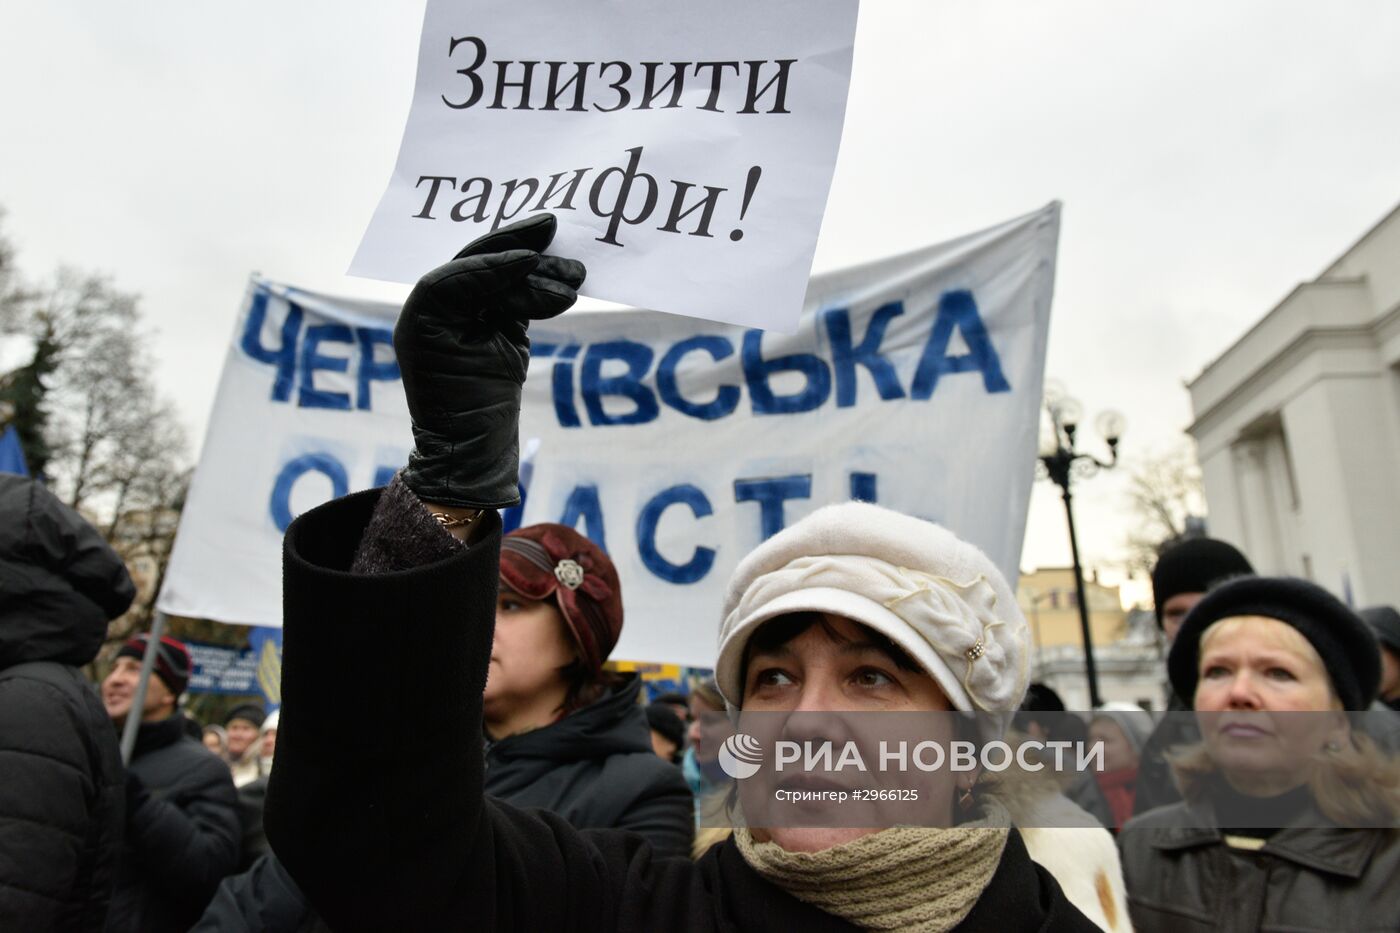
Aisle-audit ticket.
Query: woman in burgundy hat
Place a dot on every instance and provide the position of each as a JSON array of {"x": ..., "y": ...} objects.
[{"x": 562, "y": 733}]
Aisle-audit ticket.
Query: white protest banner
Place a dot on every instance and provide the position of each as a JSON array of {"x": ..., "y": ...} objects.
[
  {"x": 680, "y": 445},
  {"x": 686, "y": 148},
  {"x": 310, "y": 406},
  {"x": 677, "y": 444}
]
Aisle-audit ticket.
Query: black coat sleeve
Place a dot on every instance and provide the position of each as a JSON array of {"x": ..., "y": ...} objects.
[
  {"x": 187, "y": 840},
  {"x": 663, "y": 812},
  {"x": 377, "y": 811},
  {"x": 264, "y": 899}
]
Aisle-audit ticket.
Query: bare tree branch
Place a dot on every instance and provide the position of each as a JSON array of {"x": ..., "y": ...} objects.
[
  {"x": 94, "y": 425},
  {"x": 1164, "y": 491}
]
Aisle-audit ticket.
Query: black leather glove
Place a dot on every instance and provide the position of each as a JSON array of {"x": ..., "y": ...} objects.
[{"x": 462, "y": 350}]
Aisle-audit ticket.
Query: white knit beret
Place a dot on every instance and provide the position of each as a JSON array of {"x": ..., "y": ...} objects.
[{"x": 939, "y": 598}]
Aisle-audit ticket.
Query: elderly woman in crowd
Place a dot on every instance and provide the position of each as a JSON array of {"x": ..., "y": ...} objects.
[
  {"x": 1122, "y": 729},
  {"x": 215, "y": 738},
  {"x": 1289, "y": 812},
  {"x": 417, "y": 845},
  {"x": 243, "y": 730}
]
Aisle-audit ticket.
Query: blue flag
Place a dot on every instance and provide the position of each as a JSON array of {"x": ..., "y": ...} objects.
[{"x": 11, "y": 455}]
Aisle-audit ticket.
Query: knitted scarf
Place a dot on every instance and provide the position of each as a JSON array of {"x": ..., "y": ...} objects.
[{"x": 906, "y": 878}]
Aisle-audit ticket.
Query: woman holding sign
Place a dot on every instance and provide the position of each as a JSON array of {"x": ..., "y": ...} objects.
[{"x": 414, "y": 569}]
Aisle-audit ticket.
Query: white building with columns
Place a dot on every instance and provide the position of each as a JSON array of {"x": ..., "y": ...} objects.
[{"x": 1298, "y": 428}]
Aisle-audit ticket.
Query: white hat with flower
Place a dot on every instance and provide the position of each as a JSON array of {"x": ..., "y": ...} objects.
[{"x": 939, "y": 598}]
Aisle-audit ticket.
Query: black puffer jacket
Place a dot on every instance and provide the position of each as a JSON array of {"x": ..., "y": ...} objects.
[
  {"x": 595, "y": 767},
  {"x": 182, "y": 832},
  {"x": 61, "y": 784}
]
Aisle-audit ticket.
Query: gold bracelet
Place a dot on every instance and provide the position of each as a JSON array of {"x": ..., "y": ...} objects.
[{"x": 448, "y": 522}]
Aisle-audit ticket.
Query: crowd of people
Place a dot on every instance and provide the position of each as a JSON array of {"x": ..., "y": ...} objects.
[{"x": 503, "y": 776}]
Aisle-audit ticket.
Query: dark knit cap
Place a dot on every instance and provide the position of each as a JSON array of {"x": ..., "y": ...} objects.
[
  {"x": 1385, "y": 622},
  {"x": 173, "y": 662},
  {"x": 1346, "y": 646},
  {"x": 1194, "y": 566},
  {"x": 661, "y": 718},
  {"x": 248, "y": 712},
  {"x": 539, "y": 561},
  {"x": 1042, "y": 698}
]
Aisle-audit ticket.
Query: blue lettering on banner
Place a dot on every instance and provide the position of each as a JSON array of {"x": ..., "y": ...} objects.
[
  {"x": 638, "y": 357},
  {"x": 295, "y": 469},
  {"x": 702, "y": 559},
  {"x": 312, "y": 360},
  {"x": 770, "y": 494},
  {"x": 583, "y": 508},
  {"x": 332, "y": 468},
  {"x": 817, "y": 376},
  {"x": 625, "y": 382},
  {"x": 220, "y": 669},
  {"x": 863, "y": 487},
  {"x": 583, "y": 504},
  {"x": 372, "y": 369},
  {"x": 958, "y": 309},
  {"x": 757, "y": 371},
  {"x": 725, "y": 400},
  {"x": 845, "y": 357},
  {"x": 284, "y": 357},
  {"x": 299, "y": 356},
  {"x": 562, "y": 381}
]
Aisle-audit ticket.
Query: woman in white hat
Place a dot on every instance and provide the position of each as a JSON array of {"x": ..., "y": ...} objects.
[{"x": 892, "y": 614}]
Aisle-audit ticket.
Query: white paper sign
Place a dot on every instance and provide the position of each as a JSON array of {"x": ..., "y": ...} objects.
[
  {"x": 676, "y": 444},
  {"x": 686, "y": 148}
]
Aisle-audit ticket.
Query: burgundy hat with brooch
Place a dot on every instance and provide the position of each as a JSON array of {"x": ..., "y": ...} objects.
[{"x": 538, "y": 561}]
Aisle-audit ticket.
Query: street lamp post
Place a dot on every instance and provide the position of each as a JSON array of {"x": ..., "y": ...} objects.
[{"x": 1061, "y": 462}]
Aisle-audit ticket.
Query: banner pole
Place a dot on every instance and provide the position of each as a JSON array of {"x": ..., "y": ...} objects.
[{"x": 138, "y": 702}]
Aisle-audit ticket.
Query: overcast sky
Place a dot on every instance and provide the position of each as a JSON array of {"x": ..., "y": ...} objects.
[{"x": 1210, "y": 156}]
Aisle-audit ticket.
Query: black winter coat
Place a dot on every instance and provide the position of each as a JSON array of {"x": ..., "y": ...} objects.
[
  {"x": 60, "y": 769},
  {"x": 251, "y": 799},
  {"x": 182, "y": 832},
  {"x": 415, "y": 845},
  {"x": 1182, "y": 877},
  {"x": 596, "y": 769}
]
